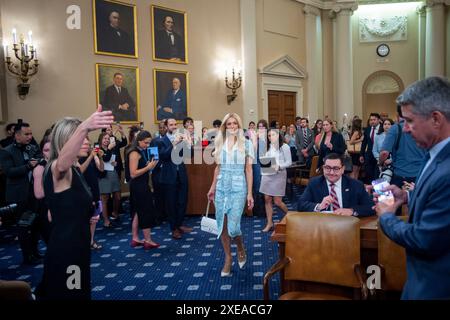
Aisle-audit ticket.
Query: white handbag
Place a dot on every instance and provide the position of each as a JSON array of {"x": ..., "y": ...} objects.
[{"x": 207, "y": 224}]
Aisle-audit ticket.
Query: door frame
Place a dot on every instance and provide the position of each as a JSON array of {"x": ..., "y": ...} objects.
[{"x": 284, "y": 74}]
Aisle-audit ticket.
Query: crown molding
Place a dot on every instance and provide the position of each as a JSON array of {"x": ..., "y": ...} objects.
[
  {"x": 329, "y": 5},
  {"x": 308, "y": 9},
  {"x": 431, "y": 3}
]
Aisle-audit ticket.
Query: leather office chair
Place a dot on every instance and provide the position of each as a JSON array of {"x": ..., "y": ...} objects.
[
  {"x": 392, "y": 261},
  {"x": 15, "y": 291},
  {"x": 303, "y": 175},
  {"x": 323, "y": 250}
]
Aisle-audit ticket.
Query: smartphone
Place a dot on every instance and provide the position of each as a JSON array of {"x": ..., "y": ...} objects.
[
  {"x": 96, "y": 147},
  {"x": 112, "y": 139},
  {"x": 152, "y": 153},
  {"x": 385, "y": 196}
]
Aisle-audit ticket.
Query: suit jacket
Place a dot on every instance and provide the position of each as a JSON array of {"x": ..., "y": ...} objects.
[
  {"x": 168, "y": 170},
  {"x": 367, "y": 144},
  {"x": 178, "y": 104},
  {"x": 164, "y": 48},
  {"x": 157, "y": 170},
  {"x": 300, "y": 142},
  {"x": 18, "y": 184},
  {"x": 354, "y": 195},
  {"x": 110, "y": 41},
  {"x": 338, "y": 143},
  {"x": 112, "y": 99},
  {"x": 426, "y": 236}
]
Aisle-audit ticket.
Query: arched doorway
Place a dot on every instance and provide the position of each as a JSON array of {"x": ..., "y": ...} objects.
[{"x": 380, "y": 90}]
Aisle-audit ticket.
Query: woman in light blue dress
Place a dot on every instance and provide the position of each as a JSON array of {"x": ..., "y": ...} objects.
[{"x": 232, "y": 186}]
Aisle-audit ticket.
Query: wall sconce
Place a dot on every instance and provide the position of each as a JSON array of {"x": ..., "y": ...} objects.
[
  {"x": 22, "y": 69},
  {"x": 233, "y": 84}
]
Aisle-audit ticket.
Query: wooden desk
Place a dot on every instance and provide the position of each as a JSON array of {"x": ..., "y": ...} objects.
[
  {"x": 369, "y": 246},
  {"x": 200, "y": 177}
]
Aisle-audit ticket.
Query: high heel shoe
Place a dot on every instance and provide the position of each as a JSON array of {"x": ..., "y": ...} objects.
[
  {"x": 242, "y": 259},
  {"x": 148, "y": 245},
  {"x": 224, "y": 272},
  {"x": 135, "y": 243}
]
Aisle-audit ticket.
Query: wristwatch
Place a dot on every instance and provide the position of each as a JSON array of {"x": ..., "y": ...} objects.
[{"x": 355, "y": 214}]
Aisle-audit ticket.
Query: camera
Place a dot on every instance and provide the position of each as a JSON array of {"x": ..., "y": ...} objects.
[
  {"x": 33, "y": 151},
  {"x": 387, "y": 173},
  {"x": 8, "y": 210},
  {"x": 40, "y": 161}
]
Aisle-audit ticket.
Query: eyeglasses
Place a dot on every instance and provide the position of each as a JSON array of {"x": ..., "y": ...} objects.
[{"x": 334, "y": 169}]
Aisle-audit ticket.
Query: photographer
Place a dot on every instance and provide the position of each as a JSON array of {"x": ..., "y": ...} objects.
[
  {"x": 44, "y": 217},
  {"x": 18, "y": 161}
]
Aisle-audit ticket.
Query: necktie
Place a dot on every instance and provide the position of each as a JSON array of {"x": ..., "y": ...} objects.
[
  {"x": 118, "y": 90},
  {"x": 335, "y": 204},
  {"x": 305, "y": 138},
  {"x": 425, "y": 161},
  {"x": 372, "y": 134},
  {"x": 172, "y": 39}
]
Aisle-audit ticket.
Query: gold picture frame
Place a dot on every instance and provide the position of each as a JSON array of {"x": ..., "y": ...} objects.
[
  {"x": 169, "y": 48},
  {"x": 120, "y": 40},
  {"x": 165, "y": 97},
  {"x": 123, "y": 102}
]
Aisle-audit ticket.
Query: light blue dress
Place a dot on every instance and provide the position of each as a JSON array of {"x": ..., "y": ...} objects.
[{"x": 231, "y": 188}]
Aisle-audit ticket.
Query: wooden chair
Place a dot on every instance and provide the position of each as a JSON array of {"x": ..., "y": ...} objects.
[
  {"x": 303, "y": 175},
  {"x": 323, "y": 252},
  {"x": 392, "y": 261}
]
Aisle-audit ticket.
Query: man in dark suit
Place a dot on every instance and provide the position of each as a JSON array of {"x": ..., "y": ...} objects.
[
  {"x": 305, "y": 142},
  {"x": 173, "y": 177},
  {"x": 158, "y": 194},
  {"x": 168, "y": 44},
  {"x": 175, "y": 104},
  {"x": 367, "y": 158},
  {"x": 9, "y": 135},
  {"x": 113, "y": 39},
  {"x": 335, "y": 192},
  {"x": 118, "y": 100},
  {"x": 425, "y": 107},
  {"x": 18, "y": 161}
]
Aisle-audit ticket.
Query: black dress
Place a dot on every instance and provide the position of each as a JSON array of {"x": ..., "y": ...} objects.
[
  {"x": 141, "y": 196},
  {"x": 69, "y": 244}
]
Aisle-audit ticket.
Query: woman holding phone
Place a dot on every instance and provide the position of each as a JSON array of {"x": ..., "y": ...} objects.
[
  {"x": 109, "y": 182},
  {"x": 143, "y": 211}
]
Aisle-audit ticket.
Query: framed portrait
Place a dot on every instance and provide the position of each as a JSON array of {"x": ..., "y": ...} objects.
[
  {"x": 118, "y": 91},
  {"x": 169, "y": 35},
  {"x": 115, "y": 28},
  {"x": 171, "y": 92}
]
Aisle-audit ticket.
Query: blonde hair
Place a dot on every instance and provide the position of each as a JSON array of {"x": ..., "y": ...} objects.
[
  {"x": 61, "y": 133},
  {"x": 221, "y": 137}
]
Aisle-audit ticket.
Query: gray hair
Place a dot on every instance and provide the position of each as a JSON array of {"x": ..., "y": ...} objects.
[{"x": 427, "y": 95}]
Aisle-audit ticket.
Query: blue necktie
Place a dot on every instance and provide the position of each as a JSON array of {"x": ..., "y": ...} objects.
[{"x": 427, "y": 157}]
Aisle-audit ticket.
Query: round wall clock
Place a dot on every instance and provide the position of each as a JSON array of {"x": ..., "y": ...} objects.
[{"x": 383, "y": 50}]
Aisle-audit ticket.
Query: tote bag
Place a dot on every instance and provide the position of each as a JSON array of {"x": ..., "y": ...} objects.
[{"x": 208, "y": 224}]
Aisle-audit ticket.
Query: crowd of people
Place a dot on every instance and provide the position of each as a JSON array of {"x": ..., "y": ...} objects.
[{"x": 251, "y": 171}]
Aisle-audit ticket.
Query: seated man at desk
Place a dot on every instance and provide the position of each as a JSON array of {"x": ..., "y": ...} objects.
[{"x": 336, "y": 193}]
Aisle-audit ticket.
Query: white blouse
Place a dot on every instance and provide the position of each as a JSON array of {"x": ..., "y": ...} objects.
[{"x": 282, "y": 156}]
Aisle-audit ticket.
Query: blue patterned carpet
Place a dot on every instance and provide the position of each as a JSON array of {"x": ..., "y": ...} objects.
[{"x": 186, "y": 269}]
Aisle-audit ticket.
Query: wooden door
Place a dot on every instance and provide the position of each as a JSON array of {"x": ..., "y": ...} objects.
[{"x": 282, "y": 107}]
